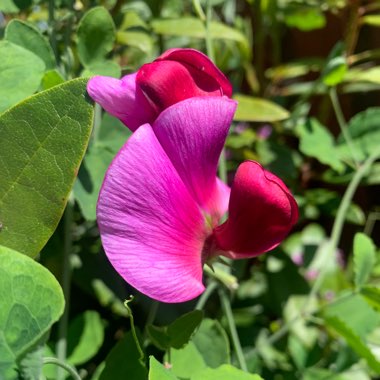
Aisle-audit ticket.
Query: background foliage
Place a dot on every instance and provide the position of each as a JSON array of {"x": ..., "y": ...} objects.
[{"x": 307, "y": 77}]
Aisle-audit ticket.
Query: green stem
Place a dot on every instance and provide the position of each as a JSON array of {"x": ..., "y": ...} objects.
[
  {"x": 141, "y": 352},
  {"x": 231, "y": 323},
  {"x": 209, "y": 45},
  {"x": 342, "y": 123},
  {"x": 97, "y": 123},
  {"x": 62, "y": 365},
  {"x": 337, "y": 228},
  {"x": 206, "y": 295},
  {"x": 222, "y": 169},
  {"x": 61, "y": 346},
  {"x": 53, "y": 38}
]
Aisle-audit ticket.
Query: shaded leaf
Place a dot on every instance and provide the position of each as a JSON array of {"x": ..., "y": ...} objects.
[
  {"x": 371, "y": 295},
  {"x": 42, "y": 142},
  {"x": 181, "y": 330},
  {"x": 96, "y": 35},
  {"x": 123, "y": 361},
  {"x": 31, "y": 301}
]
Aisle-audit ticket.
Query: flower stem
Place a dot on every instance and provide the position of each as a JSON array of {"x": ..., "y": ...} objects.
[
  {"x": 231, "y": 323},
  {"x": 342, "y": 123},
  {"x": 206, "y": 295},
  {"x": 62, "y": 365},
  {"x": 61, "y": 346}
]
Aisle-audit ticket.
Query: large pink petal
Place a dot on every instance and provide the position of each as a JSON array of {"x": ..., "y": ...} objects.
[
  {"x": 122, "y": 99},
  {"x": 262, "y": 212},
  {"x": 151, "y": 228},
  {"x": 192, "y": 134}
]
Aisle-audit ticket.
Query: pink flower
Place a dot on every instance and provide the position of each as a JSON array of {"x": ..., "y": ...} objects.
[
  {"x": 161, "y": 202},
  {"x": 176, "y": 75}
]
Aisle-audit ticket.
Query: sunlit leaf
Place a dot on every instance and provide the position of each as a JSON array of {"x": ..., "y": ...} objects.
[
  {"x": 85, "y": 336},
  {"x": 318, "y": 142},
  {"x": 257, "y": 109},
  {"x": 42, "y": 142},
  {"x": 30, "y": 38},
  {"x": 21, "y": 72},
  {"x": 158, "y": 372},
  {"x": 31, "y": 301},
  {"x": 364, "y": 258},
  {"x": 354, "y": 341},
  {"x": 225, "y": 372}
]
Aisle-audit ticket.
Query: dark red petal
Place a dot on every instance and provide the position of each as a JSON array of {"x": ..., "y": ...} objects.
[
  {"x": 180, "y": 74},
  {"x": 262, "y": 211},
  {"x": 199, "y": 62}
]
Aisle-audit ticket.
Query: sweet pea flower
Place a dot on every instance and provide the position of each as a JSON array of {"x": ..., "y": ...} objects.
[
  {"x": 176, "y": 75},
  {"x": 161, "y": 203}
]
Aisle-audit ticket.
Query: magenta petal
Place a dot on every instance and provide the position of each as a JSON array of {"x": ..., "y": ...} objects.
[
  {"x": 262, "y": 212},
  {"x": 192, "y": 133},
  {"x": 151, "y": 228},
  {"x": 122, "y": 99}
]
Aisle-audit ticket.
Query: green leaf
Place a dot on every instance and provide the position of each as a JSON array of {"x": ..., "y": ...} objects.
[
  {"x": 334, "y": 71},
  {"x": 20, "y": 74},
  {"x": 178, "y": 333},
  {"x": 305, "y": 18},
  {"x": 373, "y": 20},
  {"x": 212, "y": 343},
  {"x": 123, "y": 362},
  {"x": 371, "y": 295},
  {"x": 31, "y": 301},
  {"x": 364, "y": 129},
  {"x": 159, "y": 337},
  {"x": 30, "y": 38},
  {"x": 90, "y": 178},
  {"x": 362, "y": 318},
  {"x": 42, "y": 142},
  {"x": 354, "y": 341},
  {"x": 112, "y": 136},
  {"x": 51, "y": 78},
  {"x": 186, "y": 361},
  {"x": 96, "y": 35},
  {"x": 194, "y": 27},
  {"x": 158, "y": 372},
  {"x": 181, "y": 330},
  {"x": 224, "y": 372},
  {"x": 364, "y": 258},
  {"x": 139, "y": 40},
  {"x": 317, "y": 141},
  {"x": 85, "y": 337},
  {"x": 107, "y": 68},
  {"x": 258, "y": 110}
]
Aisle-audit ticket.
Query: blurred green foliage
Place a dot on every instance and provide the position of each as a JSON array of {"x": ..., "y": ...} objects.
[{"x": 306, "y": 74}]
